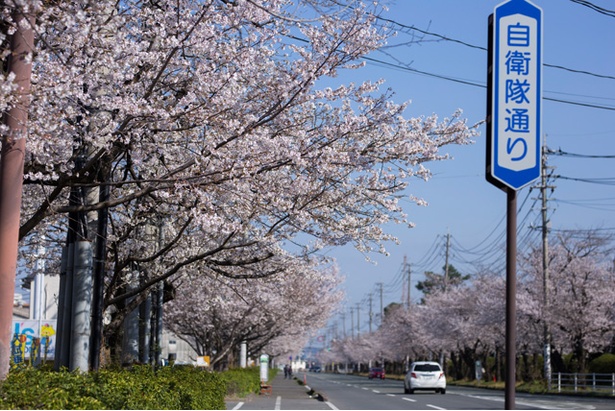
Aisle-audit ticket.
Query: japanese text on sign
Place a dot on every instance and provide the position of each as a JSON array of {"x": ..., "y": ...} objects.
[{"x": 518, "y": 92}]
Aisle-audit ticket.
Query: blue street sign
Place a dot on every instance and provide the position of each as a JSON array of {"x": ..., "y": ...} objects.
[{"x": 514, "y": 146}]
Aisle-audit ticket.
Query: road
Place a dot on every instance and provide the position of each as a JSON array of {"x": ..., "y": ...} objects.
[{"x": 346, "y": 392}]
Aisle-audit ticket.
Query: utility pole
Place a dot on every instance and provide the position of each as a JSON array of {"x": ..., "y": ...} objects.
[
  {"x": 371, "y": 313},
  {"x": 448, "y": 245},
  {"x": 409, "y": 272},
  {"x": 19, "y": 62},
  {"x": 351, "y": 322},
  {"x": 358, "y": 320},
  {"x": 381, "y": 307},
  {"x": 98, "y": 273},
  {"x": 545, "y": 269},
  {"x": 159, "y": 301},
  {"x": 38, "y": 306},
  {"x": 343, "y": 315}
]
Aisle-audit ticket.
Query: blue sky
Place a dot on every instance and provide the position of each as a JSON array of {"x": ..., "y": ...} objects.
[{"x": 461, "y": 202}]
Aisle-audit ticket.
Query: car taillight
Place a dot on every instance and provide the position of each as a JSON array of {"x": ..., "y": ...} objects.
[
  {"x": 413, "y": 375},
  {"x": 441, "y": 375}
]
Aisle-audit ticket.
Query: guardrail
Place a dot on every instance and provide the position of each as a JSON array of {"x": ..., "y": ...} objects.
[{"x": 584, "y": 382}]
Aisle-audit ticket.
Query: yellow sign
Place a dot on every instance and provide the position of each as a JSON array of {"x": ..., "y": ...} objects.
[{"x": 203, "y": 361}]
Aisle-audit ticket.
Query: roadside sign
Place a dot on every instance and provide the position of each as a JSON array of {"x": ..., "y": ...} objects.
[
  {"x": 264, "y": 367},
  {"x": 514, "y": 102},
  {"x": 203, "y": 361}
]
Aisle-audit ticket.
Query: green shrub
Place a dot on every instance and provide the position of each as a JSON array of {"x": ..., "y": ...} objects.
[
  {"x": 29, "y": 388},
  {"x": 242, "y": 381},
  {"x": 605, "y": 364},
  {"x": 198, "y": 388},
  {"x": 138, "y": 388}
]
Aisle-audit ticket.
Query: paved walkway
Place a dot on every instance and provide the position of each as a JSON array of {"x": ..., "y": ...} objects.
[{"x": 286, "y": 394}]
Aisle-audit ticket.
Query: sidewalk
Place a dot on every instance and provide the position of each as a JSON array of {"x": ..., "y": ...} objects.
[{"x": 286, "y": 394}]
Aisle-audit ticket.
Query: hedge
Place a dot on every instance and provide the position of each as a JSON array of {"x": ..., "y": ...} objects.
[
  {"x": 605, "y": 364},
  {"x": 138, "y": 388}
]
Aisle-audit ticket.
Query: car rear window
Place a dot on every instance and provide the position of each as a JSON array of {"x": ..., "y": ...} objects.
[{"x": 427, "y": 367}]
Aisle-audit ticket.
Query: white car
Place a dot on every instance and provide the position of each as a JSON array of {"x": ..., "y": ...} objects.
[{"x": 425, "y": 375}]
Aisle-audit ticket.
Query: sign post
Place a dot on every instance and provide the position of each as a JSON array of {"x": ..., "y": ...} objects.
[
  {"x": 264, "y": 368},
  {"x": 514, "y": 107}
]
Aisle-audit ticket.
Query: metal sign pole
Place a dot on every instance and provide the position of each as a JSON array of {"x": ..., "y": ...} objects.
[
  {"x": 514, "y": 93},
  {"x": 511, "y": 291}
]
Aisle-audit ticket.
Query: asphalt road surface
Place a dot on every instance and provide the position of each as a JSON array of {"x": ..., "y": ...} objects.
[{"x": 347, "y": 392}]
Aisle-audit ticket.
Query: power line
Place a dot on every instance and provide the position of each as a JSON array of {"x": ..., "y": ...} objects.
[
  {"x": 582, "y": 231},
  {"x": 560, "y": 152},
  {"x": 601, "y": 10},
  {"x": 474, "y": 46},
  {"x": 604, "y": 76},
  {"x": 609, "y": 181},
  {"x": 493, "y": 254},
  {"x": 398, "y": 66},
  {"x": 475, "y": 84},
  {"x": 440, "y": 76},
  {"x": 590, "y": 204},
  {"x": 576, "y": 103}
]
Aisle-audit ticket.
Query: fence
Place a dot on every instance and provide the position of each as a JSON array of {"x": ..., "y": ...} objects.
[{"x": 584, "y": 382}]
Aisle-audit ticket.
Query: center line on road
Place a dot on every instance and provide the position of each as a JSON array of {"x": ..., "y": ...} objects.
[
  {"x": 278, "y": 403},
  {"x": 390, "y": 395},
  {"x": 365, "y": 388},
  {"x": 408, "y": 399},
  {"x": 433, "y": 406},
  {"x": 376, "y": 391}
]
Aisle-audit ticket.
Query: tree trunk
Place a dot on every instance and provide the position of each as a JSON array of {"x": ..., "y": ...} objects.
[
  {"x": 579, "y": 355},
  {"x": 498, "y": 364}
]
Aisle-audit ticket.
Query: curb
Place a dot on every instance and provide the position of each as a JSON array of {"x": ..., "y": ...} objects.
[{"x": 317, "y": 395}]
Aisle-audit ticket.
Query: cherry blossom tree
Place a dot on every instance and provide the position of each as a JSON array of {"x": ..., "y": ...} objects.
[
  {"x": 273, "y": 314},
  {"x": 465, "y": 321},
  {"x": 200, "y": 106},
  {"x": 223, "y": 125},
  {"x": 352, "y": 351},
  {"x": 581, "y": 307},
  {"x": 397, "y": 339},
  {"x": 468, "y": 321}
]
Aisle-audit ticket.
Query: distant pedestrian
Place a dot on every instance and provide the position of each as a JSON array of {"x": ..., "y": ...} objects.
[{"x": 286, "y": 367}]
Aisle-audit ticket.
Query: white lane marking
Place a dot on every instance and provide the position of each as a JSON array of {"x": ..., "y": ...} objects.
[
  {"x": 433, "y": 406},
  {"x": 533, "y": 404},
  {"x": 376, "y": 391},
  {"x": 408, "y": 399},
  {"x": 278, "y": 403},
  {"x": 333, "y": 407},
  {"x": 238, "y": 406},
  {"x": 390, "y": 395},
  {"x": 365, "y": 388}
]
